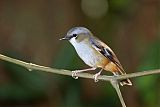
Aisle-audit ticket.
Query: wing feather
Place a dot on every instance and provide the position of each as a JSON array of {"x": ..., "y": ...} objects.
[{"x": 106, "y": 51}]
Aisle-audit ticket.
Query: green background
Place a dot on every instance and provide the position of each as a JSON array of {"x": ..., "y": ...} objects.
[{"x": 30, "y": 31}]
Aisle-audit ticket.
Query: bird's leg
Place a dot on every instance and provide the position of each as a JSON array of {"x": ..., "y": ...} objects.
[
  {"x": 74, "y": 73},
  {"x": 96, "y": 75}
]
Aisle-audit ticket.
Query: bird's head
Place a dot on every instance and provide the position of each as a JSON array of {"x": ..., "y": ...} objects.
[{"x": 77, "y": 34}]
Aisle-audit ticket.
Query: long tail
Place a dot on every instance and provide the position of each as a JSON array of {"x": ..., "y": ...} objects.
[{"x": 125, "y": 81}]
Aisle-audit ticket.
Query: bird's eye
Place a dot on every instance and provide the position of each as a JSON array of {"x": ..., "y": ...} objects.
[{"x": 74, "y": 35}]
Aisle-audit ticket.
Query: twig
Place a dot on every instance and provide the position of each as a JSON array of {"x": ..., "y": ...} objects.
[
  {"x": 31, "y": 66},
  {"x": 112, "y": 79},
  {"x": 116, "y": 87}
]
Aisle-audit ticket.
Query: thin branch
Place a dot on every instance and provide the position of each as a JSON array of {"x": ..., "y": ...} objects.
[
  {"x": 116, "y": 87},
  {"x": 31, "y": 66},
  {"x": 138, "y": 74},
  {"x": 112, "y": 79}
]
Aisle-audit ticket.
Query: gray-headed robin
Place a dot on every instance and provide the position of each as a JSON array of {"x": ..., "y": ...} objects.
[{"x": 94, "y": 53}]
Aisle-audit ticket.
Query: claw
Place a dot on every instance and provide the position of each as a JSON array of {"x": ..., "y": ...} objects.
[
  {"x": 96, "y": 76},
  {"x": 74, "y": 74}
]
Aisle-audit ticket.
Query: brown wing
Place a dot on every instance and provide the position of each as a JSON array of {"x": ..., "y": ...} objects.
[{"x": 106, "y": 51}]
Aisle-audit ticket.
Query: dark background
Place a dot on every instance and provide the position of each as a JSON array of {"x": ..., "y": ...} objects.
[{"x": 30, "y": 31}]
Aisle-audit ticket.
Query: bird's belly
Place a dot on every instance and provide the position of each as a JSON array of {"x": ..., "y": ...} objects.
[{"x": 90, "y": 56}]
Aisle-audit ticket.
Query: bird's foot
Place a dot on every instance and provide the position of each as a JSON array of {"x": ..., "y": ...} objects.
[
  {"x": 74, "y": 74},
  {"x": 96, "y": 76}
]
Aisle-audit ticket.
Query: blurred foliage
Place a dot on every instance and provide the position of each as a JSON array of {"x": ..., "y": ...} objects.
[
  {"x": 150, "y": 83},
  {"x": 30, "y": 31},
  {"x": 151, "y": 60},
  {"x": 23, "y": 85}
]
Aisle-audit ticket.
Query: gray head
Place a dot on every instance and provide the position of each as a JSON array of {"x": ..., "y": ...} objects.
[{"x": 77, "y": 34}]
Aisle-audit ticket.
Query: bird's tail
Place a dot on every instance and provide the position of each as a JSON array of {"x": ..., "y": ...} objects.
[{"x": 124, "y": 81}]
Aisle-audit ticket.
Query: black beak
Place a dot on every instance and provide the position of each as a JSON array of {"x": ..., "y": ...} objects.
[{"x": 64, "y": 38}]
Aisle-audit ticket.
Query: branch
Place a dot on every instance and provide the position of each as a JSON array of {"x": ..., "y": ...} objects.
[
  {"x": 112, "y": 79},
  {"x": 31, "y": 66},
  {"x": 116, "y": 87}
]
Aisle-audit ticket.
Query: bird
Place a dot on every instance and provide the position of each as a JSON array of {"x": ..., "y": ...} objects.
[{"x": 94, "y": 53}]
